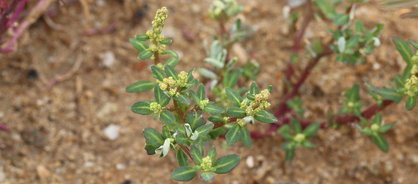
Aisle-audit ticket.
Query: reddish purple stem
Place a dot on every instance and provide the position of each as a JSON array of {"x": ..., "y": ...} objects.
[{"x": 4, "y": 128}]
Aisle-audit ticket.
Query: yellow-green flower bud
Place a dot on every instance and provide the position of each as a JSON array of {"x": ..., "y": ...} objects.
[
  {"x": 203, "y": 103},
  {"x": 375, "y": 127},
  {"x": 299, "y": 138},
  {"x": 172, "y": 92},
  {"x": 163, "y": 86},
  {"x": 155, "y": 107},
  {"x": 206, "y": 164},
  {"x": 241, "y": 122},
  {"x": 411, "y": 86}
]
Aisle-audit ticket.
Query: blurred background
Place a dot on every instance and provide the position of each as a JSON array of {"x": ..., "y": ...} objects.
[{"x": 65, "y": 116}]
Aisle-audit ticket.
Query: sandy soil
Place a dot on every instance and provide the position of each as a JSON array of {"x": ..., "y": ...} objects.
[{"x": 56, "y": 135}]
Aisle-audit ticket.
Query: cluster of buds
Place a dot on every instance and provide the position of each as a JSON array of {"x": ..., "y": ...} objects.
[
  {"x": 411, "y": 85},
  {"x": 157, "y": 27},
  {"x": 258, "y": 104},
  {"x": 203, "y": 103},
  {"x": 171, "y": 85},
  {"x": 155, "y": 107},
  {"x": 206, "y": 164}
]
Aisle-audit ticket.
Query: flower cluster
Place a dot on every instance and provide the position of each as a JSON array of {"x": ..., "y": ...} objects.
[
  {"x": 157, "y": 27},
  {"x": 172, "y": 85},
  {"x": 411, "y": 84},
  {"x": 259, "y": 103}
]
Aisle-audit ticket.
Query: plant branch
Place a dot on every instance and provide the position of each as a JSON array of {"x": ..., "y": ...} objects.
[{"x": 297, "y": 41}]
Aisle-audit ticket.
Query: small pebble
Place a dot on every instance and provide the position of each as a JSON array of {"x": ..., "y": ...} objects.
[
  {"x": 112, "y": 132},
  {"x": 250, "y": 161},
  {"x": 108, "y": 58}
]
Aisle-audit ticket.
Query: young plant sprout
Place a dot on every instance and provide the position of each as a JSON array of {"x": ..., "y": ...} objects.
[{"x": 194, "y": 114}]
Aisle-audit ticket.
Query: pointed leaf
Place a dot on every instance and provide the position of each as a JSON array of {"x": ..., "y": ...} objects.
[
  {"x": 169, "y": 70},
  {"x": 153, "y": 137},
  {"x": 285, "y": 132},
  {"x": 146, "y": 54},
  {"x": 311, "y": 130},
  {"x": 182, "y": 158},
  {"x": 233, "y": 135},
  {"x": 140, "y": 86},
  {"x": 160, "y": 96},
  {"x": 168, "y": 118},
  {"x": 265, "y": 117},
  {"x": 410, "y": 103},
  {"x": 204, "y": 130},
  {"x": 404, "y": 49},
  {"x": 231, "y": 79},
  {"x": 201, "y": 93},
  {"x": 235, "y": 112},
  {"x": 245, "y": 137},
  {"x": 386, "y": 127},
  {"x": 226, "y": 164},
  {"x": 233, "y": 97},
  {"x": 213, "y": 109},
  {"x": 157, "y": 73},
  {"x": 207, "y": 176},
  {"x": 194, "y": 119},
  {"x": 186, "y": 173},
  {"x": 141, "y": 108},
  {"x": 182, "y": 99},
  {"x": 197, "y": 155},
  {"x": 140, "y": 46}
]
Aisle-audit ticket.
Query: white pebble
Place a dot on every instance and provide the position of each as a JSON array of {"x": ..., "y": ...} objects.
[
  {"x": 250, "y": 161},
  {"x": 112, "y": 131},
  {"x": 108, "y": 58}
]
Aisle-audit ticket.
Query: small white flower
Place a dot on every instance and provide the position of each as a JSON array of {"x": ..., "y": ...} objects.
[
  {"x": 376, "y": 41},
  {"x": 194, "y": 136},
  {"x": 188, "y": 130},
  {"x": 249, "y": 119},
  {"x": 163, "y": 149},
  {"x": 341, "y": 44}
]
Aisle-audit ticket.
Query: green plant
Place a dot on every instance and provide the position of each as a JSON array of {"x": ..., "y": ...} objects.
[
  {"x": 183, "y": 106},
  {"x": 194, "y": 114}
]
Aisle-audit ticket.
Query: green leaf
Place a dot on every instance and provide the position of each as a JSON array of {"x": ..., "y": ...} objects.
[
  {"x": 326, "y": 7},
  {"x": 216, "y": 119},
  {"x": 386, "y": 93},
  {"x": 140, "y": 86},
  {"x": 169, "y": 70},
  {"x": 217, "y": 132},
  {"x": 168, "y": 118},
  {"x": 173, "y": 61},
  {"x": 404, "y": 49},
  {"x": 296, "y": 125},
  {"x": 201, "y": 93},
  {"x": 141, "y": 108},
  {"x": 265, "y": 116},
  {"x": 411, "y": 101},
  {"x": 311, "y": 130},
  {"x": 290, "y": 154},
  {"x": 233, "y": 97},
  {"x": 182, "y": 139},
  {"x": 160, "y": 97},
  {"x": 182, "y": 158},
  {"x": 341, "y": 19},
  {"x": 386, "y": 127},
  {"x": 213, "y": 109},
  {"x": 245, "y": 136},
  {"x": 231, "y": 79},
  {"x": 140, "y": 46},
  {"x": 197, "y": 154},
  {"x": 157, "y": 73},
  {"x": 207, "y": 73},
  {"x": 153, "y": 137},
  {"x": 207, "y": 176},
  {"x": 212, "y": 153},
  {"x": 377, "y": 119},
  {"x": 182, "y": 99},
  {"x": 171, "y": 53},
  {"x": 146, "y": 54},
  {"x": 186, "y": 173},
  {"x": 308, "y": 144},
  {"x": 380, "y": 142},
  {"x": 233, "y": 135},
  {"x": 194, "y": 119},
  {"x": 150, "y": 149},
  {"x": 166, "y": 42},
  {"x": 235, "y": 112},
  {"x": 141, "y": 37},
  {"x": 226, "y": 164},
  {"x": 204, "y": 130},
  {"x": 254, "y": 88},
  {"x": 285, "y": 132}
]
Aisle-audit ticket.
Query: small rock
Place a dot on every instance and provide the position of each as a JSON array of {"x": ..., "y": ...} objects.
[
  {"x": 112, "y": 131},
  {"x": 250, "y": 161},
  {"x": 414, "y": 159},
  {"x": 88, "y": 164},
  {"x": 108, "y": 58},
  {"x": 43, "y": 173},
  {"x": 120, "y": 166}
]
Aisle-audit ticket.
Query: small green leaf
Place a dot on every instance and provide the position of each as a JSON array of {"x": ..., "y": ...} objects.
[
  {"x": 216, "y": 119},
  {"x": 166, "y": 42},
  {"x": 207, "y": 73},
  {"x": 290, "y": 154},
  {"x": 245, "y": 136},
  {"x": 254, "y": 88},
  {"x": 311, "y": 129},
  {"x": 146, "y": 54},
  {"x": 201, "y": 93},
  {"x": 141, "y": 108},
  {"x": 213, "y": 109},
  {"x": 182, "y": 139},
  {"x": 226, "y": 164},
  {"x": 204, "y": 130},
  {"x": 308, "y": 144},
  {"x": 386, "y": 127},
  {"x": 265, "y": 116},
  {"x": 380, "y": 142},
  {"x": 173, "y": 61},
  {"x": 150, "y": 149},
  {"x": 182, "y": 99},
  {"x": 207, "y": 176},
  {"x": 168, "y": 118},
  {"x": 141, "y": 37},
  {"x": 233, "y": 135},
  {"x": 153, "y": 137},
  {"x": 186, "y": 173},
  {"x": 386, "y": 93},
  {"x": 366, "y": 131},
  {"x": 160, "y": 97},
  {"x": 182, "y": 158},
  {"x": 411, "y": 101},
  {"x": 285, "y": 132},
  {"x": 404, "y": 49},
  {"x": 235, "y": 112},
  {"x": 377, "y": 119},
  {"x": 169, "y": 70},
  {"x": 140, "y": 46},
  {"x": 231, "y": 79},
  {"x": 140, "y": 86},
  {"x": 296, "y": 126},
  {"x": 197, "y": 154},
  {"x": 212, "y": 153},
  {"x": 157, "y": 73},
  {"x": 171, "y": 53},
  {"x": 233, "y": 97},
  {"x": 341, "y": 19},
  {"x": 194, "y": 119}
]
